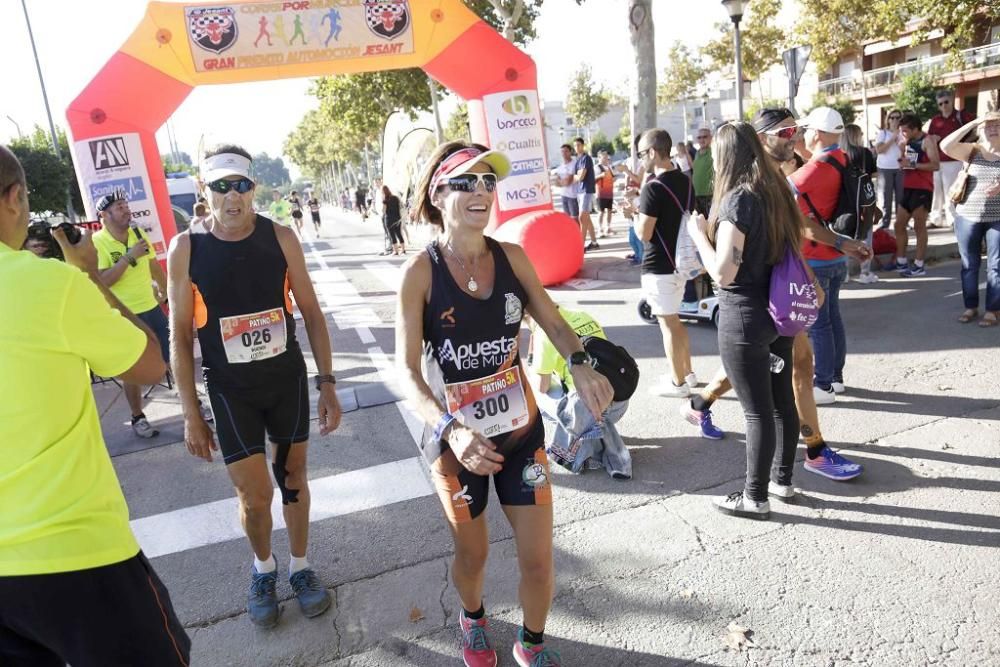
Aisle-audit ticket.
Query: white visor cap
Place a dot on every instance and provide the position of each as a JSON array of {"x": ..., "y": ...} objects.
[{"x": 224, "y": 164}]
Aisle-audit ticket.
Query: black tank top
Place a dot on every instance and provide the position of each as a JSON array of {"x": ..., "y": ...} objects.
[
  {"x": 242, "y": 309},
  {"x": 467, "y": 338}
]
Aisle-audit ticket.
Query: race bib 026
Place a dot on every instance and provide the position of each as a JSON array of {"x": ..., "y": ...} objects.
[
  {"x": 492, "y": 405},
  {"x": 253, "y": 337}
]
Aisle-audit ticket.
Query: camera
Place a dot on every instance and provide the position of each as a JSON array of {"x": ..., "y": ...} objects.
[{"x": 40, "y": 239}]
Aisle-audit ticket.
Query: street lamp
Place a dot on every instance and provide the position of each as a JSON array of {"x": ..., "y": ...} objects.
[{"x": 735, "y": 9}]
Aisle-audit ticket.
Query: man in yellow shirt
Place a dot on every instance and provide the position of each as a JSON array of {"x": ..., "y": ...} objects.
[
  {"x": 129, "y": 269},
  {"x": 74, "y": 586}
]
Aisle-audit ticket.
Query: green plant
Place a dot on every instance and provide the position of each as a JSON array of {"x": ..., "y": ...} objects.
[
  {"x": 842, "y": 105},
  {"x": 917, "y": 93},
  {"x": 600, "y": 142},
  {"x": 757, "y": 105}
]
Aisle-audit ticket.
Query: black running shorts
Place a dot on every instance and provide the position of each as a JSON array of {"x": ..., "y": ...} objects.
[
  {"x": 244, "y": 415},
  {"x": 297, "y": 214},
  {"x": 605, "y": 203},
  {"x": 914, "y": 198}
]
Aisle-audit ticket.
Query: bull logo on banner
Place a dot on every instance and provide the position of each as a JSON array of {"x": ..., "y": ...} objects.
[
  {"x": 212, "y": 28},
  {"x": 387, "y": 18}
]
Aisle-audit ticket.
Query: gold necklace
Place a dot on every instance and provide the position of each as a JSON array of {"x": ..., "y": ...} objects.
[{"x": 472, "y": 284}]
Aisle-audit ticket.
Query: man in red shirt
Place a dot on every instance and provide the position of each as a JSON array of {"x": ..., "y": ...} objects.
[
  {"x": 918, "y": 163},
  {"x": 946, "y": 122}
]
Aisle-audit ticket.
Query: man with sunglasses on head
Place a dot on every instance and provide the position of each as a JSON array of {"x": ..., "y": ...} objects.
[
  {"x": 232, "y": 279},
  {"x": 947, "y": 121}
]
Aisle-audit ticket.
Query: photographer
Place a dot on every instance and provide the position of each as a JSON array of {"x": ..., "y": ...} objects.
[
  {"x": 128, "y": 268},
  {"x": 74, "y": 586}
]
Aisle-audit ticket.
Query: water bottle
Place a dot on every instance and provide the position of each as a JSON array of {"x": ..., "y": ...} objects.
[{"x": 777, "y": 363}]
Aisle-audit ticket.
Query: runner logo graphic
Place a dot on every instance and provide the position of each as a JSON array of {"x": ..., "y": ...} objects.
[
  {"x": 108, "y": 153},
  {"x": 212, "y": 28},
  {"x": 448, "y": 317},
  {"x": 387, "y": 18},
  {"x": 513, "y": 309},
  {"x": 534, "y": 475},
  {"x": 462, "y": 494}
]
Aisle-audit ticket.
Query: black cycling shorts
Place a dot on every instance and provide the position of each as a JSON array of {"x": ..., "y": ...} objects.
[
  {"x": 914, "y": 198},
  {"x": 524, "y": 479},
  {"x": 605, "y": 203},
  {"x": 244, "y": 415},
  {"x": 296, "y": 214},
  {"x": 315, "y": 216}
]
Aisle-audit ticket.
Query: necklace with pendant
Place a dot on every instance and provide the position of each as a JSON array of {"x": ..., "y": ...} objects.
[{"x": 472, "y": 284}]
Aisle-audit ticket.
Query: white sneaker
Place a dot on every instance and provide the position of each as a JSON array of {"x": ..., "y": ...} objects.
[
  {"x": 824, "y": 397},
  {"x": 735, "y": 504},
  {"x": 838, "y": 387},
  {"x": 867, "y": 278},
  {"x": 666, "y": 387},
  {"x": 691, "y": 380},
  {"x": 781, "y": 492},
  {"x": 142, "y": 428}
]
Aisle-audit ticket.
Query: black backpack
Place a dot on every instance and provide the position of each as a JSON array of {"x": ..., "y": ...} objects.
[
  {"x": 855, "y": 211},
  {"x": 615, "y": 363}
]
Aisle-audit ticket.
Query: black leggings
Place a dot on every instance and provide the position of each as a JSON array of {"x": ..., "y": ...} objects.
[
  {"x": 747, "y": 338},
  {"x": 395, "y": 231}
]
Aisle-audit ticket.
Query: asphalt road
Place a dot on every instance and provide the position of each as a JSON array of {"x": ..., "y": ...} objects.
[{"x": 895, "y": 568}]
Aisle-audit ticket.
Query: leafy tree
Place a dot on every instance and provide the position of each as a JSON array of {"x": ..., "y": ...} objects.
[
  {"x": 917, "y": 93},
  {"x": 842, "y": 105},
  {"x": 756, "y": 106},
  {"x": 48, "y": 176},
  {"x": 680, "y": 77},
  {"x": 600, "y": 142},
  {"x": 761, "y": 42},
  {"x": 623, "y": 140},
  {"x": 457, "y": 128},
  {"x": 170, "y": 166},
  {"x": 586, "y": 101},
  {"x": 835, "y": 27},
  {"x": 269, "y": 170},
  {"x": 961, "y": 20}
]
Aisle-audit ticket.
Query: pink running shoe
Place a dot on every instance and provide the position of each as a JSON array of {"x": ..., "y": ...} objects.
[
  {"x": 476, "y": 648},
  {"x": 536, "y": 656}
]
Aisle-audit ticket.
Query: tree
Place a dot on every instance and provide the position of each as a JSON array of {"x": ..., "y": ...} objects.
[
  {"x": 961, "y": 20},
  {"x": 841, "y": 105},
  {"x": 48, "y": 176},
  {"x": 761, "y": 42},
  {"x": 836, "y": 27},
  {"x": 680, "y": 77},
  {"x": 640, "y": 29},
  {"x": 600, "y": 142},
  {"x": 586, "y": 101},
  {"x": 457, "y": 128},
  {"x": 917, "y": 94},
  {"x": 755, "y": 106},
  {"x": 623, "y": 140},
  {"x": 270, "y": 171},
  {"x": 170, "y": 166}
]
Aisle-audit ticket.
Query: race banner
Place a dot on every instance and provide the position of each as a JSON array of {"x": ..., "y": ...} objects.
[
  {"x": 270, "y": 34},
  {"x": 515, "y": 128},
  {"x": 116, "y": 161}
]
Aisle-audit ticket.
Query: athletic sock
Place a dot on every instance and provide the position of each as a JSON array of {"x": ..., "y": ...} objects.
[
  {"x": 137, "y": 417},
  {"x": 296, "y": 564},
  {"x": 529, "y": 638},
  {"x": 701, "y": 402},
  {"x": 900, "y": 260},
  {"x": 918, "y": 262},
  {"x": 474, "y": 615},
  {"x": 265, "y": 566}
]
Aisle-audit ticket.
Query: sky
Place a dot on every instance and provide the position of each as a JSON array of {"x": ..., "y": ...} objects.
[{"x": 75, "y": 39}]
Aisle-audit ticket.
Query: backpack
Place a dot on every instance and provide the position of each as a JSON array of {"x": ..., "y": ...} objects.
[
  {"x": 792, "y": 300},
  {"x": 855, "y": 211},
  {"x": 686, "y": 261},
  {"x": 615, "y": 363}
]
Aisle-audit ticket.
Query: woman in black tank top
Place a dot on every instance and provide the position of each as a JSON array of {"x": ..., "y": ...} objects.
[{"x": 459, "y": 314}]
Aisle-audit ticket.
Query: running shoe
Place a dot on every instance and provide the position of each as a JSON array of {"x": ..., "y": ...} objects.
[
  {"x": 477, "y": 651},
  {"x": 867, "y": 278},
  {"x": 902, "y": 268},
  {"x": 914, "y": 272},
  {"x": 534, "y": 656},
  {"x": 666, "y": 387},
  {"x": 785, "y": 494},
  {"x": 824, "y": 396},
  {"x": 736, "y": 504},
  {"x": 838, "y": 387},
  {"x": 262, "y": 601},
  {"x": 312, "y": 595},
  {"x": 691, "y": 380},
  {"x": 593, "y": 245},
  {"x": 142, "y": 428},
  {"x": 832, "y": 465},
  {"x": 703, "y": 420}
]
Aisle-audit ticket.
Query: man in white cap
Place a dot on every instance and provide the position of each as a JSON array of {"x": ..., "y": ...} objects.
[{"x": 232, "y": 277}]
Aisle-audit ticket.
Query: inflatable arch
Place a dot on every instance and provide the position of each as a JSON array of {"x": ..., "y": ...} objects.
[{"x": 176, "y": 47}]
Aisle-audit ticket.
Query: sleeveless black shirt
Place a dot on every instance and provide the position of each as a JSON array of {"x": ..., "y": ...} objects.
[
  {"x": 468, "y": 338},
  {"x": 231, "y": 281}
]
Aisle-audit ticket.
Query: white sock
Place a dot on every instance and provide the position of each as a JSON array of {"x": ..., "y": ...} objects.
[
  {"x": 900, "y": 260},
  {"x": 918, "y": 262},
  {"x": 295, "y": 564},
  {"x": 265, "y": 566}
]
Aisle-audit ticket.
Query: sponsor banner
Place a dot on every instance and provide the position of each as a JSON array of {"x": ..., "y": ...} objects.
[
  {"x": 515, "y": 128},
  {"x": 117, "y": 161},
  {"x": 270, "y": 34}
]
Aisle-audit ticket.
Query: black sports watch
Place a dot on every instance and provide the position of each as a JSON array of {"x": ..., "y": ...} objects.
[
  {"x": 321, "y": 379},
  {"x": 578, "y": 358}
]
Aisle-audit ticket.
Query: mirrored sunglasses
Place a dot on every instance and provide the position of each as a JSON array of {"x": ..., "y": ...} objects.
[
  {"x": 222, "y": 186},
  {"x": 784, "y": 132},
  {"x": 469, "y": 182}
]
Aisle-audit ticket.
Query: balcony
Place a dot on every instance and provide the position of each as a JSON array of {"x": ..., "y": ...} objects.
[{"x": 978, "y": 58}]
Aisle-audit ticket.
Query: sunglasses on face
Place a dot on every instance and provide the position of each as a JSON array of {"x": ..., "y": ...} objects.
[
  {"x": 894, "y": 117},
  {"x": 942, "y": 103},
  {"x": 222, "y": 186},
  {"x": 784, "y": 132},
  {"x": 469, "y": 182}
]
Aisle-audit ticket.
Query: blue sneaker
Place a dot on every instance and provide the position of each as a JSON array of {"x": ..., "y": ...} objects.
[
  {"x": 703, "y": 420},
  {"x": 313, "y": 597},
  {"x": 914, "y": 272},
  {"x": 832, "y": 465},
  {"x": 902, "y": 268},
  {"x": 262, "y": 602}
]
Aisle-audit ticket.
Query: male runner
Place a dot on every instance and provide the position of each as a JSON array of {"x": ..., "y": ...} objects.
[
  {"x": 279, "y": 209},
  {"x": 313, "y": 204},
  {"x": 232, "y": 278}
]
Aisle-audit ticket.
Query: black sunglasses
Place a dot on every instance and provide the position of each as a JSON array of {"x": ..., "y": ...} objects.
[
  {"x": 222, "y": 186},
  {"x": 469, "y": 182},
  {"x": 941, "y": 103},
  {"x": 894, "y": 117}
]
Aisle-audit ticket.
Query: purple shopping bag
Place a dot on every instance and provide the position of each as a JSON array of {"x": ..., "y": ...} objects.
[{"x": 793, "y": 303}]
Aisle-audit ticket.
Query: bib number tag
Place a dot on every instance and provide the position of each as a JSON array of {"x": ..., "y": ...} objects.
[
  {"x": 492, "y": 405},
  {"x": 253, "y": 337}
]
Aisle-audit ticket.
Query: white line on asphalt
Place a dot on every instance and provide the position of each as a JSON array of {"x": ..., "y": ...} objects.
[
  {"x": 335, "y": 495},
  {"x": 982, "y": 286},
  {"x": 388, "y": 274}
]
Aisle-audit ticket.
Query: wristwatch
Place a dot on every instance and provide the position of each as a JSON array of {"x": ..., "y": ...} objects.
[
  {"x": 321, "y": 379},
  {"x": 578, "y": 358},
  {"x": 130, "y": 259}
]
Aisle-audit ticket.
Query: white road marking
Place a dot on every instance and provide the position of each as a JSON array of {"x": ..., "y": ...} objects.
[{"x": 332, "y": 496}]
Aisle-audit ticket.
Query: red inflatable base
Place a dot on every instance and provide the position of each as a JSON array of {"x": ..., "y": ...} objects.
[{"x": 550, "y": 239}]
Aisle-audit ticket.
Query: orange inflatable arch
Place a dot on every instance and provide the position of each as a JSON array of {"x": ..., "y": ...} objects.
[{"x": 176, "y": 47}]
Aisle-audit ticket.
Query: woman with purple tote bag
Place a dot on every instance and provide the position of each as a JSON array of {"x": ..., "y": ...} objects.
[{"x": 749, "y": 247}]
